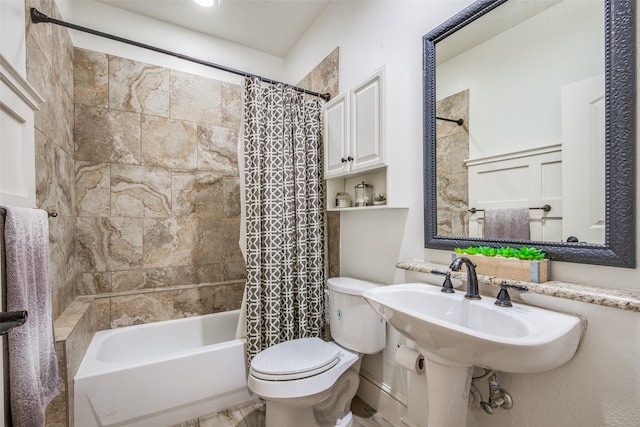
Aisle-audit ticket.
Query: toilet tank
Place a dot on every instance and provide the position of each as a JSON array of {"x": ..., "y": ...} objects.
[{"x": 354, "y": 324}]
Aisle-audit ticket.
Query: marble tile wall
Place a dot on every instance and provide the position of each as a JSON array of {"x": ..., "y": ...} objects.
[
  {"x": 157, "y": 187},
  {"x": 324, "y": 78},
  {"x": 117, "y": 309},
  {"x": 50, "y": 72},
  {"x": 452, "y": 147},
  {"x": 140, "y": 164},
  {"x": 73, "y": 329}
]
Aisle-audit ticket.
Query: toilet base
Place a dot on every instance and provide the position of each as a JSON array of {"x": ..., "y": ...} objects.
[
  {"x": 286, "y": 415},
  {"x": 282, "y": 415},
  {"x": 330, "y": 408},
  {"x": 335, "y": 410}
]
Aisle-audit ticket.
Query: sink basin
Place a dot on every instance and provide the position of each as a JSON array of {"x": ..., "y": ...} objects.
[
  {"x": 455, "y": 334},
  {"x": 458, "y": 331}
]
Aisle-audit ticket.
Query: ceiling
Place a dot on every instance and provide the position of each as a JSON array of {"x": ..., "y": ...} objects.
[{"x": 271, "y": 26}]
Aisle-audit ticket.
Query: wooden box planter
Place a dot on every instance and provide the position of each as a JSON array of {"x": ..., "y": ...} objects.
[{"x": 510, "y": 268}]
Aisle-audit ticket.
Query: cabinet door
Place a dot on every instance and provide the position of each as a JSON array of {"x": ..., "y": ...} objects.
[
  {"x": 367, "y": 123},
  {"x": 336, "y": 122}
]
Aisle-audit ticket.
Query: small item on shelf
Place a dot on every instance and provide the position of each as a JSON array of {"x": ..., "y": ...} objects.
[
  {"x": 343, "y": 200},
  {"x": 364, "y": 194},
  {"x": 379, "y": 199}
]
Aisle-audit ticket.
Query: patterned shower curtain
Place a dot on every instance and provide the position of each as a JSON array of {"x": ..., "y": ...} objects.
[{"x": 285, "y": 213}]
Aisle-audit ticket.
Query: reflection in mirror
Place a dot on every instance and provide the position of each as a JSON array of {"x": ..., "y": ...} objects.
[
  {"x": 538, "y": 94},
  {"x": 514, "y": 82}
]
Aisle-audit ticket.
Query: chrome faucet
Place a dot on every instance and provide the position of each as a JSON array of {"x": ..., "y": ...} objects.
[{"x": 472, "y": 278}]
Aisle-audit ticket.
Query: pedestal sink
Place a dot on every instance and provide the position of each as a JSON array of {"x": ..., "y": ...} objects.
[{"x": 455, "y": 334}]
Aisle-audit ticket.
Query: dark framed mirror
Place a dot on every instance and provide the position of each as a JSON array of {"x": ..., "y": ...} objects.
[{"x": 464, "y": 219}]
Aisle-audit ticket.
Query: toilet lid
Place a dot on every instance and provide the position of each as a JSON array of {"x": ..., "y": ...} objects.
[{"x": 295, "y": 359}]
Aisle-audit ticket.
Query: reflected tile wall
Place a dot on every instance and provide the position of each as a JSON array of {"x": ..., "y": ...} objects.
[
  {"x": 452, "y": 148},
  {"x": 157, "y": 185}
]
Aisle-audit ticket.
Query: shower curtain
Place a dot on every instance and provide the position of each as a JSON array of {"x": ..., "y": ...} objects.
[{"x": 285, "y": 211}]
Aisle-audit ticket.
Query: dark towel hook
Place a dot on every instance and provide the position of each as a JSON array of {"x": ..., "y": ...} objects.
[{"x": 458, "y": 121}]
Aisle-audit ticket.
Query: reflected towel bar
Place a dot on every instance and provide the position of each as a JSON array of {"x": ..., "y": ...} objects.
[
  {"x": 458, "y": 121},
  {"x": 546, "y": 208}
]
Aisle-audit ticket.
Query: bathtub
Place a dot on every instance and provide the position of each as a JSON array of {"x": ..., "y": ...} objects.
[{"x": 161, "y": 374}]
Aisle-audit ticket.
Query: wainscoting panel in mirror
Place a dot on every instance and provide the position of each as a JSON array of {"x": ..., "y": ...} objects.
[{"x": 545, "y": 91}]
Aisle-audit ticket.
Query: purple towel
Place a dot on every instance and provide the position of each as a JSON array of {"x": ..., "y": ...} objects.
[
  {"x": 510, "y": 224},
  {"x": 33, "y": 365}
]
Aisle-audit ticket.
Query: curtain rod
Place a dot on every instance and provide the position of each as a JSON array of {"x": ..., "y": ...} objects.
[{"x": 37, "y": 17}]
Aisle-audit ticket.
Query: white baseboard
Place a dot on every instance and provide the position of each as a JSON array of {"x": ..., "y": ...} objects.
[{"x": 380, "y": 397}]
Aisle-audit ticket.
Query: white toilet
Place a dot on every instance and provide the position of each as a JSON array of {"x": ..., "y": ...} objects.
[{"x": 309, "y": 382}]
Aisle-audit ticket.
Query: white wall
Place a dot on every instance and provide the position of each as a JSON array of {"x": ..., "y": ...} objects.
[
  {"x": 128, "y": 25},
  {"x": 538, "y": 52},
  {"x": 13, "y": 45},
  {"x": 602, "y": 384}
]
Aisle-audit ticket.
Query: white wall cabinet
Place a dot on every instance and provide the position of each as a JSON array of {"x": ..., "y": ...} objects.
[
  {"x": 355, "y": 140},
  {"x": 354, "y": 129}
]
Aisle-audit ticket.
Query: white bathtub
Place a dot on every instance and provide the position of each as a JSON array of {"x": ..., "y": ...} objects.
[{"x": 161, "y": 374}]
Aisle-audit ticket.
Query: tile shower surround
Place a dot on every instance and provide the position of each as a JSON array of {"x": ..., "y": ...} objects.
[
  {"x": 49, "y": 66},
  {"x": 156, "y": 182},
  {"x": 123, "y": 187}
]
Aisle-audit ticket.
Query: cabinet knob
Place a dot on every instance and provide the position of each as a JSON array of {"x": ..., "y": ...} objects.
[
  {"x": 350, "y": 158},
  {"x": 343, "y": 160}
]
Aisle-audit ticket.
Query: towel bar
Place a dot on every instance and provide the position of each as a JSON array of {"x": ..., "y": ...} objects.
[
  {"x": 546, "y": 208},
  {"x": 12, "y": 319}
]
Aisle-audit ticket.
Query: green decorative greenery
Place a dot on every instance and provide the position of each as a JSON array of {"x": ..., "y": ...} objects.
[
  {"x": 524, "y": 253},
  {"x": 379, "y": 197}
]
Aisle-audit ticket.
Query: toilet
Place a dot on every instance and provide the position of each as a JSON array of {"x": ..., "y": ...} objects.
[{"x": 308, "y": 382}]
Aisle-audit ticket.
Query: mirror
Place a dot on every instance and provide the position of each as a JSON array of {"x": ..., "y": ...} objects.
[{"x": 545, "y": 152}]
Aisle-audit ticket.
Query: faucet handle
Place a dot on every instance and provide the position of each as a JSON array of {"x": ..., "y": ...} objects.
[
  {"x": 447, "y": 286},
  {"x": 503, "y": 299}
]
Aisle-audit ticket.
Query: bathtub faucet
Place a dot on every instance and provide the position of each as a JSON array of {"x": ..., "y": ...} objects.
[{"x": 472, "y": 278}]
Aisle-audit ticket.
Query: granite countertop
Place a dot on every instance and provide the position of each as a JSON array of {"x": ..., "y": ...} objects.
[{"x": 616, "y": 298}]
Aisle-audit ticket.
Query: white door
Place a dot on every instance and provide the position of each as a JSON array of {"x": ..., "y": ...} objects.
[{"x": 583, "y": 168}]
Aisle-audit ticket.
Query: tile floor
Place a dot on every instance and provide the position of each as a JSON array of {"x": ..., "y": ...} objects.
[{"x": 252, "y": 415}]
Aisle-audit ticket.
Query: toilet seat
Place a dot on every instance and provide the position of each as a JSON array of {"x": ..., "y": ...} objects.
[
  {"x": 279, "y": 387},
  {"x": 294, "y": 360}
]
